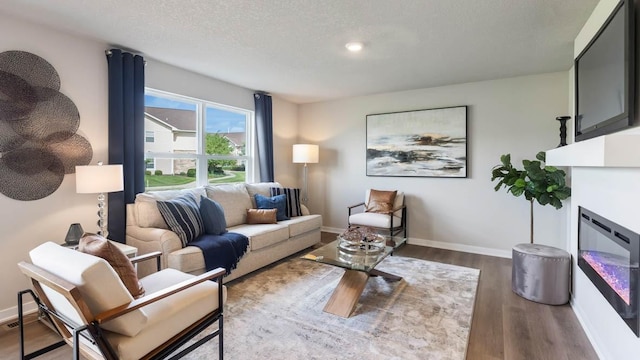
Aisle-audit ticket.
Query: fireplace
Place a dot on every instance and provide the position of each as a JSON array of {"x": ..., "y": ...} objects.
[{"x": 609, "y": 254}]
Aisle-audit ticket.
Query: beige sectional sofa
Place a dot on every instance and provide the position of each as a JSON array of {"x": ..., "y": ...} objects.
[{"x": 147, "y": 230}]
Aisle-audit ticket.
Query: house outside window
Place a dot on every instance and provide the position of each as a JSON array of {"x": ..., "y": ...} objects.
[
  {"x": 149, "y": 136},
  {"x": 196, "y": 142}
]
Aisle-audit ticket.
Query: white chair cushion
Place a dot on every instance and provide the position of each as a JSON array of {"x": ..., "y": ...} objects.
[
  {"x": 98, "y": 283},
  {"x": 374, "y": 219},
  {"x": 168, "y": 316},
  {"x": 234, "y": 200}
]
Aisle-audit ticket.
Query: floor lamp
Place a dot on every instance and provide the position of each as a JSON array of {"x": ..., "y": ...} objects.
[
  {"x": 305, "y": 154},
  {"x": 99, "y": 179}
]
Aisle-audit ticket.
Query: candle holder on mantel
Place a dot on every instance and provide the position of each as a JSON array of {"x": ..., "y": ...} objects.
[{"x": 563, "y": 129}]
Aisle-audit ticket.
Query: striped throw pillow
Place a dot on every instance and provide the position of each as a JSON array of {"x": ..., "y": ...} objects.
[
  {"x": 183, "y": 217},
  {"x": 293, "y": 200}
]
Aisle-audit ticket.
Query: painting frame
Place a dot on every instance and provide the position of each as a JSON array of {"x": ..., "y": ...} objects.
[{"x": 418, "y": 143}]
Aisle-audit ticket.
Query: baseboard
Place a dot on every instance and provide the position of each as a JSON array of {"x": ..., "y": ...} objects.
[
  {"x": 443, "y": 245},
  {"x": 461, "y": 247},
  {"x": 585, "y": 327},
  {"x": 10, "y": 316}
]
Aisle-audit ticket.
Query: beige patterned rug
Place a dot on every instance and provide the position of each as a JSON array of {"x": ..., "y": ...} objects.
[{"x": 277, "y": 314}]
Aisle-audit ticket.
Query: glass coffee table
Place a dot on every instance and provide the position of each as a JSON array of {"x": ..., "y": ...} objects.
[{"x": 359, "y": 266}]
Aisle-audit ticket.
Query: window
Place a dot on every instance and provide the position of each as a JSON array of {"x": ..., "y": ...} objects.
[
  {"x": 149, "y": 163},
  {"x": 149, "y": 136},
  {"x": 195, "y": 142}
]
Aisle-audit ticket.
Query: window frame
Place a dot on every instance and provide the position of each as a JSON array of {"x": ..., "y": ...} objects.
[{"x": 200, "y": 156}]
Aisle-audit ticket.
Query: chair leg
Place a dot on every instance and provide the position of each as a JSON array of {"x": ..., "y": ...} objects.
[
  {"x": 45, "y": 349},
  {"x": 221, "y": 339}
]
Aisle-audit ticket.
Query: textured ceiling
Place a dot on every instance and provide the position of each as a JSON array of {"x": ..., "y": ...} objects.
[{"x": 295, "y": 48}]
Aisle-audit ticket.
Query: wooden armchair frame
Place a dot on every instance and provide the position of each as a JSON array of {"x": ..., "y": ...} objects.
[{"x": 90, "y": 328}]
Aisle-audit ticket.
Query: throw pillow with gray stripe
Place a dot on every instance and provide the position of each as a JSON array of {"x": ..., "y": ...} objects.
[
  {"x": 293, "y": 200},
  {"x": 183, "y": 217}
]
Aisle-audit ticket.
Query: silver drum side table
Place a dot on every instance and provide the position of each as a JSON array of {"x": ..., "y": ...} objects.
[{"x": 541, "y": 273}]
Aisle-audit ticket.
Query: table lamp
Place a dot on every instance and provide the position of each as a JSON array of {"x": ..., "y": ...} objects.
[
  {"x": 305, "y": 154},
  {"x": 99, "y": 179}
]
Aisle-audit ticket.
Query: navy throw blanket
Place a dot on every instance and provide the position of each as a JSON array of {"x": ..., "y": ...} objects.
[{"x": 222, "y": 250}]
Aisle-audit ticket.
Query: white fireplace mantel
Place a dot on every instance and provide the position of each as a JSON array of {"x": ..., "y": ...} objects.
[{"x": 615, "y": 150}]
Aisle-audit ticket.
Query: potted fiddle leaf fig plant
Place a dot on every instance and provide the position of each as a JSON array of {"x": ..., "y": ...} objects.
[{"x": 545, "y": 184}]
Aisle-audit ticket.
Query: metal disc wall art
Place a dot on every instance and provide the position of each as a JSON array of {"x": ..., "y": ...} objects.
[{"x": 38, "y": 124}]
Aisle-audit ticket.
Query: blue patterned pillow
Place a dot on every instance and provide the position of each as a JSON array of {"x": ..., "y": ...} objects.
[
  {"x": 212, "y": 217},
  {"x": 293, "y": 200},
  {"x": 278, "y": 202},
  {"x": 183, "y": 217}
]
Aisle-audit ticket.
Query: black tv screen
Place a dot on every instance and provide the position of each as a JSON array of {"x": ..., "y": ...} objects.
[{"x": 605, "y": 77}]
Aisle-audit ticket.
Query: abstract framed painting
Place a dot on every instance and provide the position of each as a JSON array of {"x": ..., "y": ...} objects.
[{"x": 420, "y": 143}]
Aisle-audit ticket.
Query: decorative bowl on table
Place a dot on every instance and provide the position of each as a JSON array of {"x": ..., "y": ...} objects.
[{"x": 361, "y": 240}]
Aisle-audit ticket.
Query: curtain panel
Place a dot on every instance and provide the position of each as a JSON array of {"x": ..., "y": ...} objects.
[
  {"x": 264, "y": 134},
  {"x": 126, "y": 133}
]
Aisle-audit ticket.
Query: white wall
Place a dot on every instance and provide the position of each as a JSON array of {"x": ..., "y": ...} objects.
[
  {"x": 285, "y": 134},
  {"x": 82, "y": 67},
  {"x": 515, "y": 115},
  {"x": 612, "y": 193}
]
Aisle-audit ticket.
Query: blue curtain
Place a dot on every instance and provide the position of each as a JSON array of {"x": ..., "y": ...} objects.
[
  {"x": 264, "y": 134},
  {"x": 126, "y": 133}
]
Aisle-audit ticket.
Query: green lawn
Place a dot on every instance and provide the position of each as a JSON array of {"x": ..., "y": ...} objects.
[{"x": 152, "y": 181}]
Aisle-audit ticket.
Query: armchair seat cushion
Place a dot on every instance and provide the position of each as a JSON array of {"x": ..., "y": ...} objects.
[
  {"x": 374, "y": 220},
  {"x": 169, "y": 316}
]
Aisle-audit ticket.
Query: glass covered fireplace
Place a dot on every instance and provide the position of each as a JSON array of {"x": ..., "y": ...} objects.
[{"x": 608, "y": 254}]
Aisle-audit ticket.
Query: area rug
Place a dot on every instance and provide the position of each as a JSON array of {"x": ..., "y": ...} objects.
[{"x": 277, "y": 314}]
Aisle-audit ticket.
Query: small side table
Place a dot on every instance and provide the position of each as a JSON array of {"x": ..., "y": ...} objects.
[
  {"x": 128, "y": 250},
  {"x": 541, "y": 273}
]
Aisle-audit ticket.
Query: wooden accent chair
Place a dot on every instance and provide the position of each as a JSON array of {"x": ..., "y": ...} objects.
[
  {"x": 391, "y": 223},
  {"x": 96, "y": 315}
]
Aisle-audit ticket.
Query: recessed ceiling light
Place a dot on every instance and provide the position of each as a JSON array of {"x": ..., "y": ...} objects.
[{"x": 354, "y": 46}]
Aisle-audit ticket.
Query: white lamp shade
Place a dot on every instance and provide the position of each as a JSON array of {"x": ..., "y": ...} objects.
[
  {"x": 305, "y": 153},
  {"x": 94, "y": 179}
]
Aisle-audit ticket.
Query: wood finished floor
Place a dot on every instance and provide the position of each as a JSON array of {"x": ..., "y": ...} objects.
[{"x": 505, "y": 326}]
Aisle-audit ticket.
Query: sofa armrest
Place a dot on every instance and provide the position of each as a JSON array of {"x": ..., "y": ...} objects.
[{"x": 148, "y": 240}]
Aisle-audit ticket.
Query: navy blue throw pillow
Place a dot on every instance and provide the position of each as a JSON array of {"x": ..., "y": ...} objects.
[
  {"x": 183, "y": 217},
  {"x": 212, "y": 217},
  {"x": 278, "y": 202}
]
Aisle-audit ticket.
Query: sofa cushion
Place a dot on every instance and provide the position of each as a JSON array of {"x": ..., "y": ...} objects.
[
  {"x": 97, "y": 245},
  {"x": 260, "y": 188},
  {"x": 100, "y": 286},
  {"x": 278, "y": 202},
  {"x": 183, "y": 217},
  {"x": 234, "y": 199},
  {"x": 302, "y": 224},
  {"x": 293, "y": 200},
  {"x": 147, "y": 213},
  {"x": 263, "y": 235},
  {"x": 262, "y": 216},
  {"x": 212, "y": 217}
]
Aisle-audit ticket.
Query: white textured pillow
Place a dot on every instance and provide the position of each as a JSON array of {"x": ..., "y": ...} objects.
[
  {"x": 234, "y": 200},
  {"x": 260, "y": 188}
]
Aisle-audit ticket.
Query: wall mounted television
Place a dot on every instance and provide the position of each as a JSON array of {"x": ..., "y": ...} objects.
[{"x": 605, "y": 77}]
